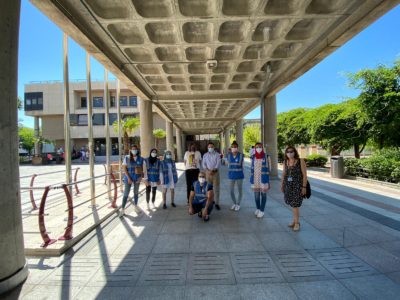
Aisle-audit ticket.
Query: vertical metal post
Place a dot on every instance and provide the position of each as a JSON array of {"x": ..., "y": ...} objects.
[
  {"x": 90, "y": 127},
  {"x": 67, "y": 134},
  {"x": 108, "y": 143},
  {"x": 119, "y": 132}
]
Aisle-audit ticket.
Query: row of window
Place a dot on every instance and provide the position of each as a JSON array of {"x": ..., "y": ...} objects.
[
  {"x": 33, "y": 101},
  {"x": 123, "y": 101},
  {"x": 98, "y": 119}
]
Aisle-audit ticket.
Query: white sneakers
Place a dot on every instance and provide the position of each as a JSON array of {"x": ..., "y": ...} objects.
[
  {"x": 256, "y": 212},
  {"x": 235, "y": 207},
  {"x": 122, "y": 212},
  {"x": 260, "y": 214}
]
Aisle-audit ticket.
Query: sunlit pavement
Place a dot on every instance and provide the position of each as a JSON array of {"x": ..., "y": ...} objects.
[{"x": 343, "y": 250}]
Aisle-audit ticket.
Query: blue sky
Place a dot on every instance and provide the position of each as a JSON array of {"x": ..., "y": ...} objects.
[{"x": 40, "y": 59}]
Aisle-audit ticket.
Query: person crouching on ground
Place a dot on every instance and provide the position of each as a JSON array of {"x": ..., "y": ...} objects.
[
  {"x": 236, "y": 174},
  {"x": 152, "y": 169},
  {"x": 132, "y": 167},
  {"x": 201, "y": 198},
  {"x": 260, "y": 178},
  {"x": 169, "y": 178}
]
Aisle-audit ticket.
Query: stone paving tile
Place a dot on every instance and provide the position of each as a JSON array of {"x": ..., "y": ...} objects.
[
  {"x": 208, "y": 242},
  {"x": 345, "y": 237},
  {"x": 164, "y": 269},
  {"x": 136, "y": 245},
  {"x": 243, "y": 242},
  {"x": 255, "y": 267},
  {"x": 172, "y": 243},
  {"x": 119, "y": 271},
  {"x": 274, "y": 241},
  {"x": 377, "y": 257},
  {"x": 209, "y": 269},
  {"x": 373, "y": 234},
  {"x": 331, "y": 289},
  {"x": 177, "y": 227},
  {"x": 372, "y": 287},
  {"x": 341, "y": 263},
  {"x": 395, "y": 276},
  {"x": 158, "y": 293},
  {"x": 105, "y": 293},
  {"x": 392, "y": 247},
  {"x": 270, "y": 291},
  {"x": 19, "y": 292},
  {"x": 51, "y": 292},
  {"x": 40, "y": 268},
  {"x": 299, "y": 266},
  {"x": 147, "y": 227},
  {"x": 313, "y": 240},
  {"x": 212, "y": 292}
]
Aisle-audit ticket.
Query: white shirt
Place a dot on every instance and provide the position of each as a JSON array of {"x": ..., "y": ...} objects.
[{"x": 192, "y": 160}]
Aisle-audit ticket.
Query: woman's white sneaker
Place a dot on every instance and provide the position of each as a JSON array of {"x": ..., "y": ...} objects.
[
  {"x": 260, "y": 214},
  {"x": 122, "y": 212},
  {"x": 233, "y": 207},
  {"x": 256, "y": 212},
  {"x": 237, "y": 207}
]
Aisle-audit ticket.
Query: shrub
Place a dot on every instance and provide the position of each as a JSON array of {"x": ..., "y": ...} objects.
[
  {"x": 316, "y": 160},
  {"x": 352, "y": 166}
]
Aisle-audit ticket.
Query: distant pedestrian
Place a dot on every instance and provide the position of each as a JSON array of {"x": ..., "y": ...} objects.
[
  {"x": 151, "y": 171},
  {"x": 192, "y": 160},
  {"x": 236, "y": 175},
  {"x": 211, "y": 164},
  {"x": 169, "y": 177},
  {"x": 294, "y": 183},
  {"x": 260, "y": 167},
  {"x": 132, "y": 167}
]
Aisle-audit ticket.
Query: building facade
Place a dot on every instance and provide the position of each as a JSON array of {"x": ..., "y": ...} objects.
[{"x": 44, "y": 101}]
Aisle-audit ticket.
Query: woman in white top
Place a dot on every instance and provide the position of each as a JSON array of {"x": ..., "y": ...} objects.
[{"x": 192, "y": 161}]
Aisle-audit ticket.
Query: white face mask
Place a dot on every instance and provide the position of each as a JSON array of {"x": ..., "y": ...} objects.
[
  {"x": 234, "y": 150},
  {"x": 168, "y": 156},
  {"x": 259, "y": 150},
  {"x": 210, "y": 150},
  {"x": 202, "y": 180},
  {"x": 290, "y": 155},
  {"x": 134, "y": 152},
  {"x": 153, "y": 154}
]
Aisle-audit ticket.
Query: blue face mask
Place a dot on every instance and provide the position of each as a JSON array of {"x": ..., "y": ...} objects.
[
  {"x": 210, "y": 150},
  {"x": 134, "y": 152},
  {"x": 168, "y": 156}
]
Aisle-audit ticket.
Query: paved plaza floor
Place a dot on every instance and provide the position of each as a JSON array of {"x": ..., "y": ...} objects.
[{"x": 348, "y": 248}]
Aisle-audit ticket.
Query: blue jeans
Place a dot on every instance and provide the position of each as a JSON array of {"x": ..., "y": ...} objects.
[
  {"x": 239, "y": 183},
  {"x": 135, "y": 193},
  {"x": 260, "y": 204}
]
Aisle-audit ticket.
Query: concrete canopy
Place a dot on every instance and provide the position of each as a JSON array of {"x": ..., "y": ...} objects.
[{"x": 207, "y": 63}]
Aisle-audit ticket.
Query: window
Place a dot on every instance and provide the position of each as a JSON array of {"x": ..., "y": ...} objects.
[
  {"x": 112, "y": 118},
  {"x": 133, "y": 101},
  {"x": 112, "y": 101},
  {"x": 83, "y": 102},
  {"x": 33, "y": 101},
  {"x": 82, "y": 120},
  {"x": 73, "y": 120},
  {"x": 123, "y": 101},
  {"x": 98, "y": 119},
  {"x": 97, "y": 101}
]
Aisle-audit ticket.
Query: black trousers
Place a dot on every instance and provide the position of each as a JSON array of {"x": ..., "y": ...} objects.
[
  {"x": 153, "y": 194},
  {"x": 191, "y": 176},
  {"x": 197, "y": 207}
]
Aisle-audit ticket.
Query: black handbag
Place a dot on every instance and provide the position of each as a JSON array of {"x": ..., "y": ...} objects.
[{"x": 308, "y": 187}]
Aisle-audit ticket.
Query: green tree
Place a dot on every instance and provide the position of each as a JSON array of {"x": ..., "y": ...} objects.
[
  {"x": 292, "y": 128},
  {"x": 158, "y": 134},
  {"x": 128, "y": 126},
  {"x": 19, "y": 103},
  {"x": 380, "y": 100},
  {"x": 251, "y": 135},
  {"x": 27, "y": 138}
]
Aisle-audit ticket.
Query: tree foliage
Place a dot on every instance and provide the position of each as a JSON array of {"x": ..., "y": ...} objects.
[
  {"x": 27, "y": 138},
  {"x": 251, "y": 135},
  {"x": 158, "y": 134},
  {"x": 292, "y": 128},
  {"x": 380, "y": 100},
  {"x": 128, "y": 126}
]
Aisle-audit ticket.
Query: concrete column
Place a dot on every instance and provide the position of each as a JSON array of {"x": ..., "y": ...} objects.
[
  {"x": 179, "y": 147},
  {"x": 13, "y": 268},
  {"x": 227, "y": 134},
  {"x": 239, "y": 134},
  {"x": 183, "y": 144},
  {"x": 146, "y": 127},
  {"x": 270, "y": 132},
  {"x": 170, "y": 135},
  {"x": 37, "y": 130},
  {"x": 221, "y": 142}
]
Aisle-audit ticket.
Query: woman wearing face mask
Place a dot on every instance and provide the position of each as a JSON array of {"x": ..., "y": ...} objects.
[
  {"x": 169, "y": 178},
  {"x": 260, "y": 178},
  {"x": 132, "y": 167},
  {"x": 152, "y": 169},
  {"x": 294, "y": 182},
  {"x": 192, "y": 160},
  {"x": 235, "y": 174}
]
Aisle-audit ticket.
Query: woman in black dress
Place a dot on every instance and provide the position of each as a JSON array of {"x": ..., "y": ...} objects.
[{"x": 294, "y": 182}]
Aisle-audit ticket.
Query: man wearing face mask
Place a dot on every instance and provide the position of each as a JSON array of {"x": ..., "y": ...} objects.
[
  {"x": 192, "y": 160},
  {"x": 152, "y": 169},
  {"x": 132, "y": 168},
  {"x": 235, "y": 174},
  {"x": 201, "y": 198},
  {"x": 211, "y": 164}
]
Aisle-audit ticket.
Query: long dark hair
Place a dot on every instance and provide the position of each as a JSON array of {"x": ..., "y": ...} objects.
[
  {"x": 152, "y": 159},
  {"x": 296, "y": 154}
]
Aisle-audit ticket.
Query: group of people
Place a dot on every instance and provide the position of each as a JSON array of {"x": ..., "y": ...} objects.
[{"x": 203, "y": 178}]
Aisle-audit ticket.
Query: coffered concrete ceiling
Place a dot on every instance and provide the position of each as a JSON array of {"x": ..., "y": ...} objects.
[{"x": 207, "y": 63}]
